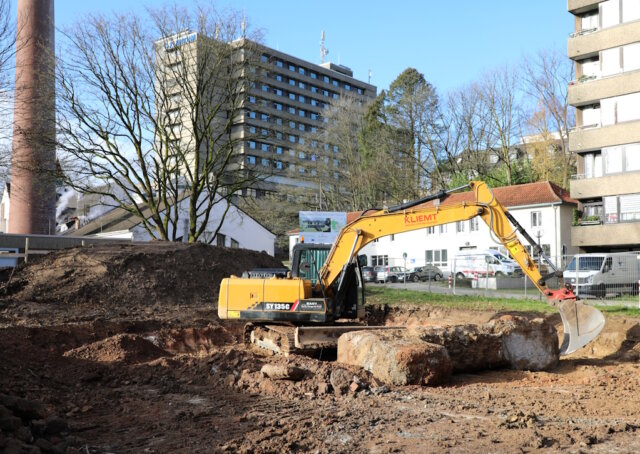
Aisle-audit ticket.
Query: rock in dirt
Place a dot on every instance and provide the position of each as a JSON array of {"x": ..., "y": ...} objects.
[
  {"x": 280, "y": 372},
  {"x": 509, "y": 341},
  {"x": 395, "y": 358},
  {"x": 23, "y": 408},
  {"x": 340, "y": 381}
]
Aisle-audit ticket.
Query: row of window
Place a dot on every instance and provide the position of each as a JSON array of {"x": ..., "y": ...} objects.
[
  {"x": 613, "y": 61},
  {"x": 283, "y": 165},
  {"x": 310, "y": 73},
  {"x": 297, "y": 97},
  {"x": 612, "y": 160},
  {"x": 536, "y": 221},
  {"x": 611, "y": 13},
  {"x": 623, "y": 208},
  {"x": 290, "y": 109},
  {"x": 437, "y": 257},
  {"x": 291, "y": 124},
  {"x": 611, "y": 111},
  {"x": 254, "y": 145}
]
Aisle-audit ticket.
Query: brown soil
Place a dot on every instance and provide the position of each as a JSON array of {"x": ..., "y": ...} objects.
[{"x": 123, "y": 346}]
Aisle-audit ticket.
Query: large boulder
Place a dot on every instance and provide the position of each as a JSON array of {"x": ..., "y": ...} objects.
[{"x": 395, "y": 358}]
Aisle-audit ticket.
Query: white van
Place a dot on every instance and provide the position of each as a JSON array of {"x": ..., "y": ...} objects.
[
  {"x": 600, "y": 273},
  {"x": 477, "y": 263}
]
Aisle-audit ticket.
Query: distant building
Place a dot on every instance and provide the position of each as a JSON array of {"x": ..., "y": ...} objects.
[
  {"x": 606, "y": 94},
  {"x": 239, "y": 230},
  {"x": 283, "y": 114},
  {"x": 543, "y": 209}
]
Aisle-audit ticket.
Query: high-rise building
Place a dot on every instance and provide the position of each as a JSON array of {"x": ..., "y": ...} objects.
[
  {"x": 606, "y": 94},
  {"x": 277, "y": 131}
]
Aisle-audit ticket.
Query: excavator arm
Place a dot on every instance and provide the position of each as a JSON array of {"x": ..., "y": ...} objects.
[{"x": 581, "y": 323}]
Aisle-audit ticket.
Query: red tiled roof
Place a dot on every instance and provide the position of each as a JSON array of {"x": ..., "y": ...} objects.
[{"x": 537, "y": 193}]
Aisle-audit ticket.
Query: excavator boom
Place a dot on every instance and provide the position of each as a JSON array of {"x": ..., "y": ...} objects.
[{"x": 581, "y": 323}]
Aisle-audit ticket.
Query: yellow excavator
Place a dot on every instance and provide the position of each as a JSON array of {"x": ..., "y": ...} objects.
[{"x": 290, "y": 313}]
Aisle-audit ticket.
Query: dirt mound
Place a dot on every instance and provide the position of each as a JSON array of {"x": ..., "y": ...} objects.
[
  {"x": 131, "y": 349},
  {"x": 132, "y": 275}
]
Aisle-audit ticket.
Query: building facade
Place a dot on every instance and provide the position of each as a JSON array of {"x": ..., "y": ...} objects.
[
  {"x": 544, "y": 209},
  {"x": 606, "y": 94},
  {"x": 277, "y": 132}
]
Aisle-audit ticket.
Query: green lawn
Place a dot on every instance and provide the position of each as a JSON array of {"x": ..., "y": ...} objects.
[{"x": 383, "y": 295}]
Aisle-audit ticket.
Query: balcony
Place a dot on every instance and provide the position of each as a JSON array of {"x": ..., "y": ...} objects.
[
  {"x": 624, "y": 234},
  {"x": 584, "y": 45},
  {"x": 581, "y": 139},
  {"x": 621, "y": 183},
  {"x": 579, "y": 6},
  {"x": 590, "y": 89}
]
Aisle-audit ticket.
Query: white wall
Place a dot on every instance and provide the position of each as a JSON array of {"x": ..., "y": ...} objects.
[
  {"x": 555, "y": 231},
  {"x": 237, "y": 225}
]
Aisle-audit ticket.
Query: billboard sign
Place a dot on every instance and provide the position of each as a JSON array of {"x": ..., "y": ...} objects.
[{"x": 321, "y": 226}]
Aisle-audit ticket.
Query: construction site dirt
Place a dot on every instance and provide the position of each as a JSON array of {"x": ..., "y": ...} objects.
[{"x": 119, "y": 349}]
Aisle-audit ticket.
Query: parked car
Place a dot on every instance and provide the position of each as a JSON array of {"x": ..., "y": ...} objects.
[
  {"x": 391, "y": 274},
  {"x": 426, "y": 273},
  {"x": 368, "y": 274}
]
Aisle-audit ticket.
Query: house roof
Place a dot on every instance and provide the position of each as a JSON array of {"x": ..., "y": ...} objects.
[
  {"x": 119, "y": 219},
  {"x": 538, "y": 193}
]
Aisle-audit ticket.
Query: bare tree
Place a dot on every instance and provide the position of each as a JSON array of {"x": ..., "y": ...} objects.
[
  {"x": 500, "y": 93},
  {"x": 546, "y": 80},
  {"x": 7, "y": 54},
  {"x": 147, "y": 116}
]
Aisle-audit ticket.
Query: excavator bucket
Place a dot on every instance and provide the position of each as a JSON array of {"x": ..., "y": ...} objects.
[{"x": 581, "y": 323}]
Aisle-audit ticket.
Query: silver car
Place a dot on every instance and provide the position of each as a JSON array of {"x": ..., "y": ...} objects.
[{"x": 391, "y": 274}]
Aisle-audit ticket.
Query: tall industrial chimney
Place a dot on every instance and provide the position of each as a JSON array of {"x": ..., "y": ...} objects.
[{"x": 32, "y": 206}]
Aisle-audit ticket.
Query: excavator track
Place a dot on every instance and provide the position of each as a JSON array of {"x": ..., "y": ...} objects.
[{"x": 276, "y": 338}]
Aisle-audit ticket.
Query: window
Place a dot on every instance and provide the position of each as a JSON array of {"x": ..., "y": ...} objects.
[
  {"x": 277, "y": 91},
  {"x": 610, "y": 209},
  {"x": 279, "y": 150},
  {"x": 313, "y": 75},
  {"x": 347, "y": 87},
  {"x": 473, "y": 225},
  {"x": 301, "y": 71},
  {"x": 277, "y": 105},
  {"x": 292, "y": 138},
  {"x": 591, "y": 116},
  {"x": 279, "y": 63},
  {"x": 431, "y": 230},
  {"x": 264, "y": 132},
  {"x": 335, "y": 149},
  {"x": 301, "y": 85},
  {"x": 632, "y": 157},
  {"x": 335, "y": 82},
  {"x": 279, "y": 121},
  {"x": 292, "y": 110},
  {"x": 590, "y": 67},
  {"x": 264, "y": 162},
  {"x": 437, "y": 257},
  {"x": 264, "y": 147},
  {"x": 234, "y": 244},
  {"x": 536, "y": 218},
  {"x": 325, "y": 79},
  {"x": 589, "y": 21},
  {"x": 292, "y": 96},
  {"x": 592, "y": 165},
  {"x": 252, "y": 144},
  {"x": 630, "y": 10},
  {"x": 301, "y": 154},
  {"x": 301, "y": 98},
  {"x": 629, "y": 207},
  {"x": 379, "y": 260},
  {"x": 252, "y": 99},
  {"x": 442, "y": 228},
  {"x": 612, "y": 159},
  {"x": 292, "y": 124},
  {"x": 220, "y": 240},
  {"x": 292, "y": 67},
  {"x": 292, "y": 82},
  {"x": 251, "y": 160},
  {"x": 610, "y": 13},
  {"x": 360, "y": 91},
  {"x": 610, "y": 59},
  {"x": 301, "y": 126},
  {"x": 279, "y": 77},
  {"x": 301, "y": 113},
  {"x": 460, "y": 226},
  {"x": 278, "y": 165}
]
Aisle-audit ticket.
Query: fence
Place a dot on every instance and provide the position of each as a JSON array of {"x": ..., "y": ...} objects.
[{"x": 613, "y": 277}]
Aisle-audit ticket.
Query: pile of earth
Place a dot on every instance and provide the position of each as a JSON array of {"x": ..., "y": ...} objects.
[{"x": 128, "y": 277}]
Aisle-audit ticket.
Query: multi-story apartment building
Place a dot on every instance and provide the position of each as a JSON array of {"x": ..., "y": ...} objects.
[
  {"x": 277, "y": 132},
  {"x": 286, "y": 112},
  {"x": 606, "y": 93}
]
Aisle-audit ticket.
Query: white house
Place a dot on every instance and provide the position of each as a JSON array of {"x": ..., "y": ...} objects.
[
  {"x": 543, "y": 209},
  {"x": 239, "y": 230}
]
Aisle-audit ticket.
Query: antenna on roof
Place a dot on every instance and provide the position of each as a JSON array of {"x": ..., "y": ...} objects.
[
  {"x": 244, "y": 25},
  {"x": 323, "y": 50},
  {"x": 369, "y": 75}
]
